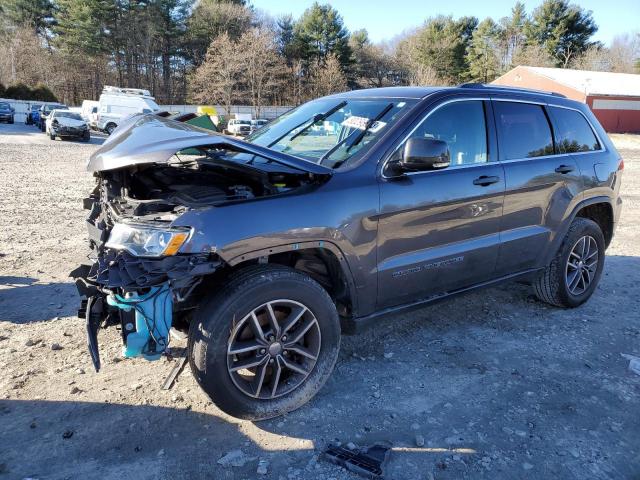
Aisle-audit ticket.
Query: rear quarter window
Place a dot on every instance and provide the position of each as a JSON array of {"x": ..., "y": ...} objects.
[
  {"x": 573, "y": 132},
  {"x": 523, "y": 130}
]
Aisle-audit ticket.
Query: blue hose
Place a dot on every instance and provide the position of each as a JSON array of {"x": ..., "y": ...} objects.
[{"x": 154, "y": 314}]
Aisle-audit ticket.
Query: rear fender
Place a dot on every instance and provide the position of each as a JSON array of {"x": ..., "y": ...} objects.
[{"x": 566, "y": 223}]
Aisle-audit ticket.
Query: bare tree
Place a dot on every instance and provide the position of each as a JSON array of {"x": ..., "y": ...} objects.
[
  {"x": 594, "y": 58},
  {"x": 533, "y": 56},
  {"x": 218, "y": 79},
  {"x": 264, "y": 69},
  {"x": 23, "y": 58},
  {"x": 624, "y": 53},
  {"x": 417, "y": 73},
  {"x": 327, "y": 77}
]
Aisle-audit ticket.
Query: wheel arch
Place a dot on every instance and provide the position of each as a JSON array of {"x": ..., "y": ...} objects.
[
  {"x": 602, "y": 214},
  {"x": 321, "y": 260},
  {"x": 599, "y": 209}
]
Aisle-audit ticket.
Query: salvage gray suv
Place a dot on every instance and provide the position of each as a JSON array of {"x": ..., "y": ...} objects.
[{"x": 348, "y": 208}]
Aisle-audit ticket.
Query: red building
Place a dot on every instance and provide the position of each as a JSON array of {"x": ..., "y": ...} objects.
[{"x": 614, "y": 98}]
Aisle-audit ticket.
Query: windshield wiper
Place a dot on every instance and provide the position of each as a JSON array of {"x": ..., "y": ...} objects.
[
  {"x": 318, "y": 117},
  {"x": 360, "y": 135}
]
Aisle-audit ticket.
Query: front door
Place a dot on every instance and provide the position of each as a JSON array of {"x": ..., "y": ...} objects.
[{"x": 438, "y": 230}]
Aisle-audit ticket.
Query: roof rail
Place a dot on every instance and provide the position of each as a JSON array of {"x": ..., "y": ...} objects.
[
  {"x": 126, "y": 91},
  {"x": 509, "y": 88}
]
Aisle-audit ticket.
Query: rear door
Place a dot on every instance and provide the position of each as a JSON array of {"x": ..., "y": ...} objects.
[
  {"x": 541, "y": 184},
  {"x": 575, "y": 136},
  {"x": 438, "y": 230}
]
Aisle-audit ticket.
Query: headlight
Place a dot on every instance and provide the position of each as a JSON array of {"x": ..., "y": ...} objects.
[{"x": 143, "y": 241}]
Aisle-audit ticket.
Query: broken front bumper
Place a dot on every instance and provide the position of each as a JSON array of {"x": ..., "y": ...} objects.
[{"x": 139, "y": 294}]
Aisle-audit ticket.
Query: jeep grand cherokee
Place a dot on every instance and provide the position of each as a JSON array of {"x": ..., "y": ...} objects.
[{"x": 345, "y": 209}]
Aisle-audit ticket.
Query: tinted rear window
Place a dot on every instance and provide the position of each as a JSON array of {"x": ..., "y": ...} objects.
[
  {"x": 573, "y": 133},
  {"x": 523, "y": 130}
]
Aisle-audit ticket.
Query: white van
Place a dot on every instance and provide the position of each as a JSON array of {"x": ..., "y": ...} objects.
[
  {"x": 89, "y": 107},
  {"x": 116, "y": 104}
]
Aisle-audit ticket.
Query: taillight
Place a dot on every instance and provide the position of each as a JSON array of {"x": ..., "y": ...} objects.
[{"x": 621, "y": 165}]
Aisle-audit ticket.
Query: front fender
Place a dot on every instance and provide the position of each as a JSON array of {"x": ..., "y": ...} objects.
[{"x": 343, "y": 220}]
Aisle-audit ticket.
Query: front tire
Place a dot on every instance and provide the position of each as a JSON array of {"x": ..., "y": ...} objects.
[
  {"x": 573, "y": 275},
  {"x": 110, "y": 128},
  {"x": 266, "y": 343}
]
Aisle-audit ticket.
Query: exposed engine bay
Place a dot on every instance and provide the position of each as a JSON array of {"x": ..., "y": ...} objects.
[{"x": 193, "y": 183}]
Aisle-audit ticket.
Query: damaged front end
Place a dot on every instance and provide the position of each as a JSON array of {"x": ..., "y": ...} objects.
[{"x": 144, "y": 270}]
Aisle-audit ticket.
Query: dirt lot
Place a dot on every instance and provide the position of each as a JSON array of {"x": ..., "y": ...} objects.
[{"x": 498, "y": 385}]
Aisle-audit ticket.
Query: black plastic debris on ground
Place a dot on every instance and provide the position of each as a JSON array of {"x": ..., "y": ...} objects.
[{"x": 366, "y": 461}]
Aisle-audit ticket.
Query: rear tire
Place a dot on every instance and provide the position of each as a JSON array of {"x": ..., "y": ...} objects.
[
  {"x": 570, "y": 280},
  {"x": 110, "y": 128},
  {"x": 225, "y": 321},
  {"x": 52, "y": 136}
]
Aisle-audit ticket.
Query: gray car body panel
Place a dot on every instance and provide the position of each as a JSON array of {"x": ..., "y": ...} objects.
[{"x": 399, "y": 240}]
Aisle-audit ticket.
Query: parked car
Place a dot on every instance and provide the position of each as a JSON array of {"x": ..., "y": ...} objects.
[
  {"x": 33, "y": 117},
  {"x": 269, "y": 249},
  {"x": 6, "y": 112},
  {"x": 238, "y": 126},
  {"x": 45, "y": 110},
  {"x": 67, "y": 124},
  {"x": 257, "y": 124},
  {"x": 117, "y": 104}
]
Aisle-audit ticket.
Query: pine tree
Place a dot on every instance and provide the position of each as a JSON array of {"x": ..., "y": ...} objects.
[
  {"x": 482, "y": 54},
  {"x": 511, "y": 34},
  {"x": 563, "y": 29},
  {"x": 37, "y": 14},
  {"x": 319, "y": 33}
]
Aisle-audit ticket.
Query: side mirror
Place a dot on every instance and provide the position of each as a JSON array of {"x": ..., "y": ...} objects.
[{"x": 420, "y": 154}]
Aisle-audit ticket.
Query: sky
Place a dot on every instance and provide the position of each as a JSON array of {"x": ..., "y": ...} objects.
[{"x": 384, "y": 19}]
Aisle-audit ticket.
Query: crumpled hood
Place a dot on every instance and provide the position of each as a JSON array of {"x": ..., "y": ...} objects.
[
  {"x": 70, "y": 122},
  {"x": 147, "y": 138}
]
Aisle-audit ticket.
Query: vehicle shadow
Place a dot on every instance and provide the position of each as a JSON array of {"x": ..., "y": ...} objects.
[
  {"x": 76, "y": 440},
  {"x": 24, "y": 300}
]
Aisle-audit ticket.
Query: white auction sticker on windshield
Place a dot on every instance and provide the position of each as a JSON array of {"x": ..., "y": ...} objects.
[
  {"x": 356, "y": 122},
  {"x": 361, "y": 123}
]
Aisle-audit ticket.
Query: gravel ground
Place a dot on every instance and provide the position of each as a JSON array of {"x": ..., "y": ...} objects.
[{"x": 496, "y": 384}]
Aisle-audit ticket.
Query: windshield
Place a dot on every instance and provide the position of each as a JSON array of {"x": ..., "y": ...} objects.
[
  {"x": 4, "y": 106},
  {"x": 73, "y": 115},
  {"x": 331, "y": 131}
]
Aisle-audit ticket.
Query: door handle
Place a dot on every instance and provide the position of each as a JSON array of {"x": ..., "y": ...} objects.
[
  {"x": 564, "y": 169},
  {"x": 484, "y": 180}
]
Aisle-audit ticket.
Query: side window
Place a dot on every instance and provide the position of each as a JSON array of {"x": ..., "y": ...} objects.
[
  {"x": 573, "y": 133},
  {"x": 462, "y": 125},
  {"x": 523, "y": 130}
]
